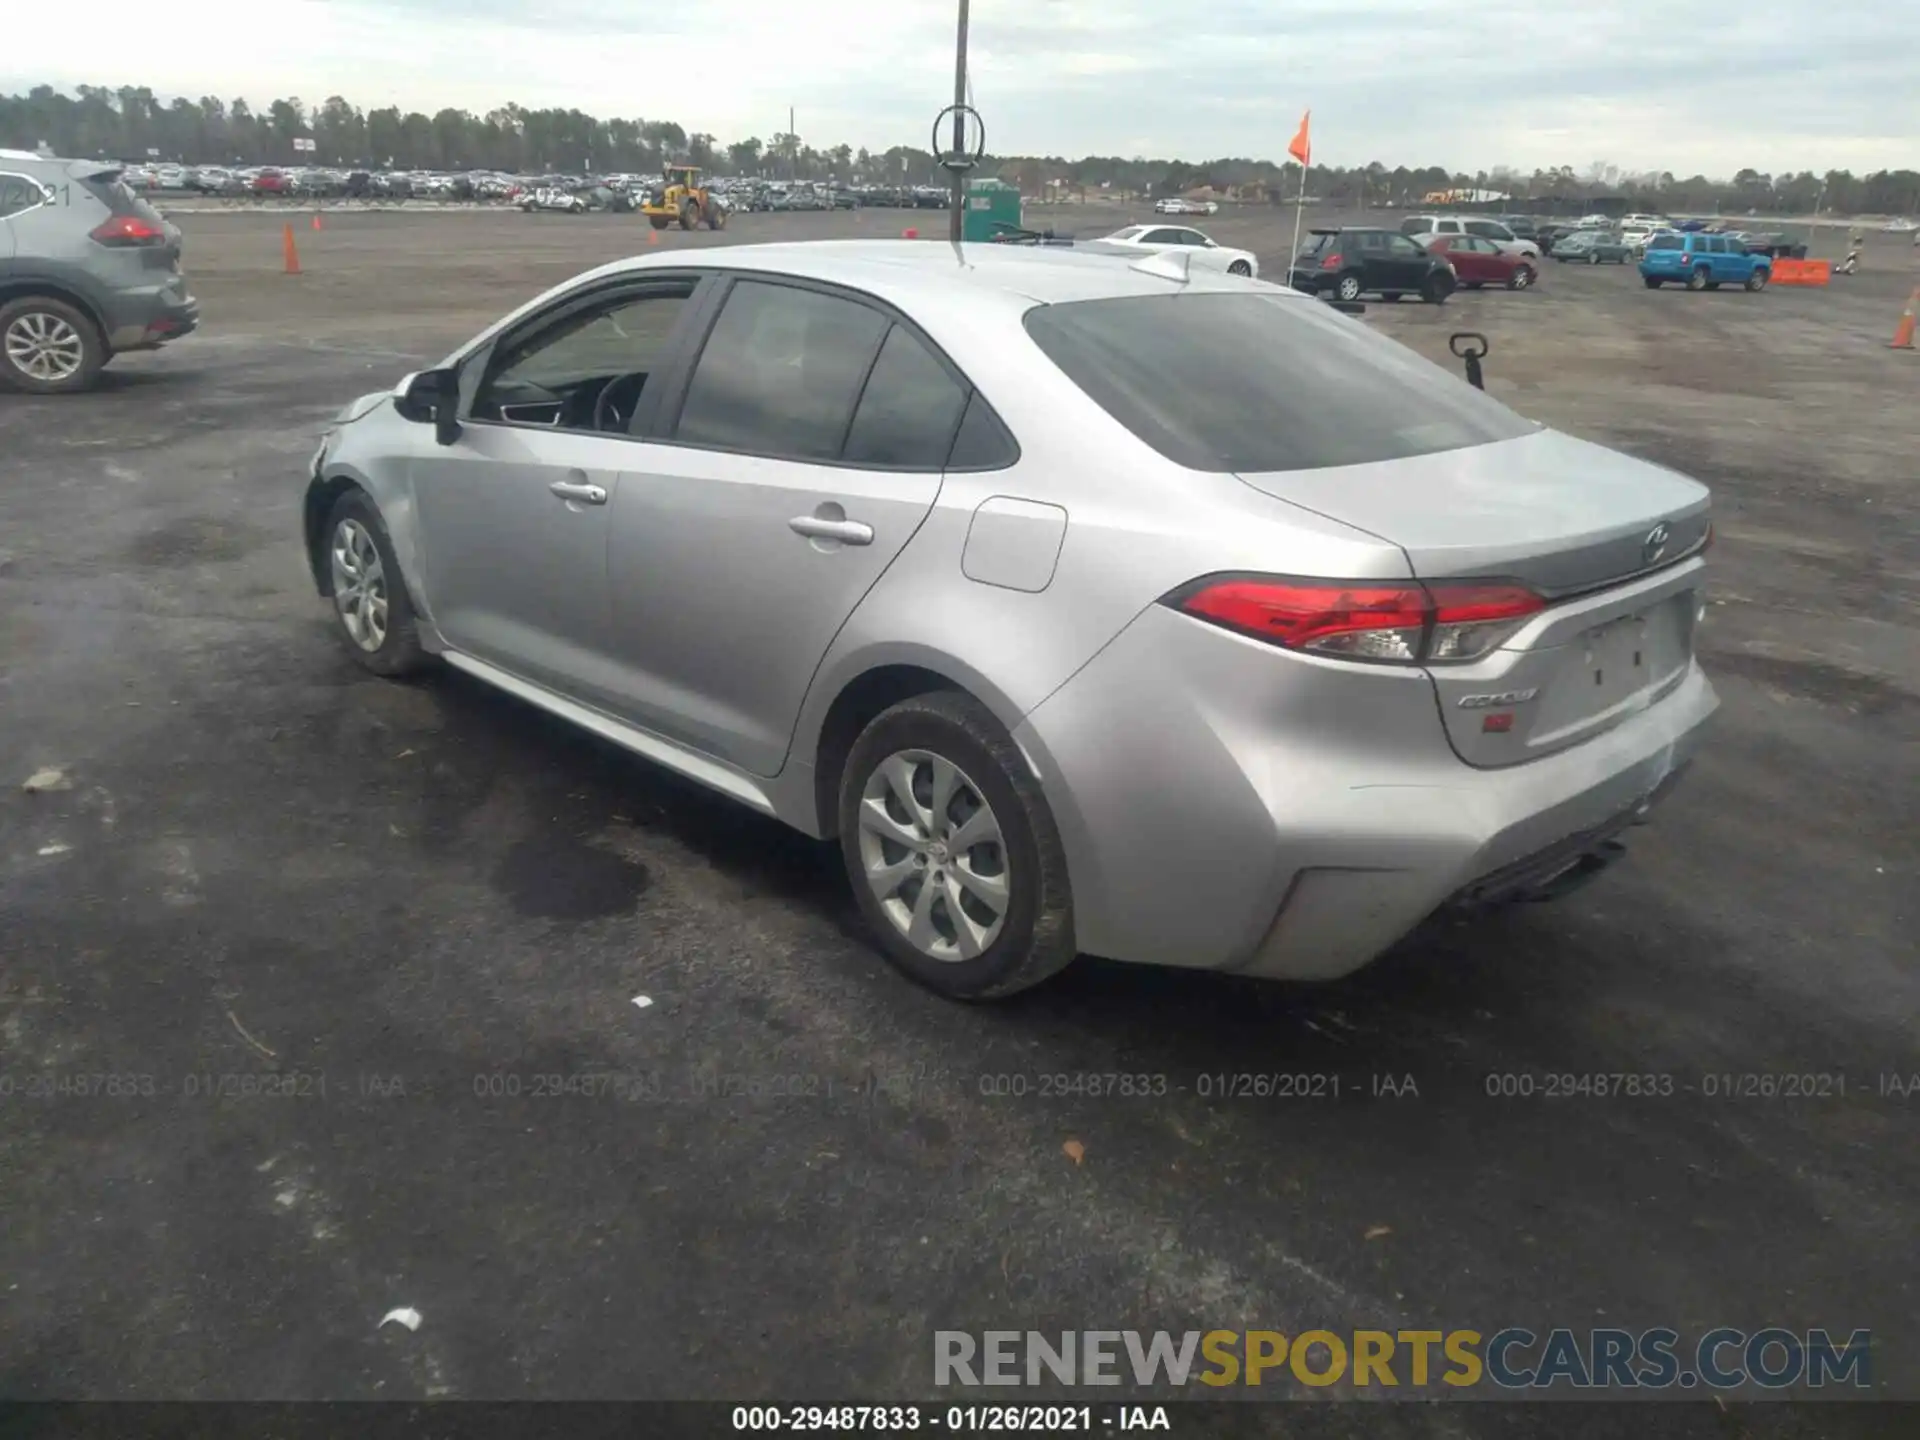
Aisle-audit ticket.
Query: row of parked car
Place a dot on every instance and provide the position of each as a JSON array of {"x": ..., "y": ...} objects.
[{"x": 1433, "y": 255}]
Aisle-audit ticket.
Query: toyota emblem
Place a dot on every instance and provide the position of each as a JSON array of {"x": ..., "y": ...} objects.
[{"x": 1655, "y": 545}]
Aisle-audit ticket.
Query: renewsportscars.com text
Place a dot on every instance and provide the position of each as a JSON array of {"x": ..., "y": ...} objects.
[{"x": 1509, "y": 1359}]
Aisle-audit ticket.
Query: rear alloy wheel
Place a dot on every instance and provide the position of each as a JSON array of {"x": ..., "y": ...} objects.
[
  {"x": 1239, "y": 267},
  {"x": 954, "y": 857},
  {"x": 1521, "y": 277},
  {"x": 1698, "y": 279},
  {"x": 1757, "y": 280},
  {"x": 1348, "y": 288},
  {"x": 47, "y": 347},
  {"x": 1593, "y": 257}
]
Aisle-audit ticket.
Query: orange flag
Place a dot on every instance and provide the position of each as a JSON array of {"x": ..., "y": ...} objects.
[{"x": 1302, "y": 149}]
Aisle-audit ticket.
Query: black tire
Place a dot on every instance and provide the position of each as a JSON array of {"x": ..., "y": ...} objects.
[
  {"x": 41, "y": 317},
  {"x": 1521, "y": 277},
  {"x": 689, "y": 215},
  {"x": 1593, "y": 257},
  {"x": 659, "y": 222},
  {"x": 1651, "y": 282},
  {"x": 1239, "y": 267},
  {"x": 1698, "y": 279},
  {"x": 1757, "y": 281},
  {"x": 716, "y": 218},
  {"x": 399, "y": 651},
  {"x": 1036, "y": 938},
  {"x": 1436, "y": 289},
  {"x": 1347, "y": 288}
]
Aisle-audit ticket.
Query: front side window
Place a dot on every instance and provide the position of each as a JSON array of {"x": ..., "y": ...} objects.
[
  {"x": 556, "y": 375},
  {"x": 1254, "y": 383},
  {"x": 781, "y": 372},
  {"x": 1402, "y": 246},
  {"x": 1415, "y": 226}
]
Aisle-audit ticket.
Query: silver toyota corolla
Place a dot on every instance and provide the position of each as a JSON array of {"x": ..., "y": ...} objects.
[{"x": 1091, "y": 605}]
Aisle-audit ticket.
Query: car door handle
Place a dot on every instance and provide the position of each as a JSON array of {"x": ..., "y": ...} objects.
[
  {"x": 580, "y": 491},
  {"x": 850, "y": 532}
]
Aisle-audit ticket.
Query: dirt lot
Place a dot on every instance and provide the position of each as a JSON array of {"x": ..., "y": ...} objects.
[{"x": 416, "y": 901}]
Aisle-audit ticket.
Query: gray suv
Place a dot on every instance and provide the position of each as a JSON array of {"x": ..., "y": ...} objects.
[{"x": 87, "y": 270}]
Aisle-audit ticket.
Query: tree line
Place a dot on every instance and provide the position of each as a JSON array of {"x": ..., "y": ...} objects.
[{"x": 131, "y": 123}]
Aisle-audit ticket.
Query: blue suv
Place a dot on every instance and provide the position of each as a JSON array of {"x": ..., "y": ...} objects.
[{"x": 1702, "y": 262}]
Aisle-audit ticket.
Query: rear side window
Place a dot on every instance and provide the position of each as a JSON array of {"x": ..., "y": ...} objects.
[
  {"x": 983, "y": 442},
  {"x": 1261, "y": 383},
  {"x": 780, "y": 372},
  {"x": 1412, "y": 227},
  {"x": 18, "y": 193},
  {"x": 909, "y": 411}
]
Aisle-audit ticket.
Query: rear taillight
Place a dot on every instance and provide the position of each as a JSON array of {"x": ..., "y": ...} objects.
[
  {"x": 1395, "y": 623},
  {"x": 127, "y": 231},
  {"x": 1332, "y": 262}
]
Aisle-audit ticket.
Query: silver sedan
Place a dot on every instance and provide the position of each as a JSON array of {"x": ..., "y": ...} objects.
[{"x": 1090, "y": 604}]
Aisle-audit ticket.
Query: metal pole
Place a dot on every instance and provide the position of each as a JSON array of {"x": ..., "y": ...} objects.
[{"x": 959, "y": 127}]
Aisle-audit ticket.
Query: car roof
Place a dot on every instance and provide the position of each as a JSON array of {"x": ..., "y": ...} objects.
[{"x": 904, "y": 270}]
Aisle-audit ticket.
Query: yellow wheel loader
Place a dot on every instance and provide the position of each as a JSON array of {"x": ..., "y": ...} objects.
[{"x": 681, "y": 199}]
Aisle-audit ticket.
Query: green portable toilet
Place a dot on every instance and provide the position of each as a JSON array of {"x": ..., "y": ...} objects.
[{"x": 992, "y": 206}]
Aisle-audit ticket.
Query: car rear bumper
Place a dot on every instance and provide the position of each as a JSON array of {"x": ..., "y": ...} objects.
[
  {"x": 1227, "y": 806},
  {"x": 147, "y": 317}
]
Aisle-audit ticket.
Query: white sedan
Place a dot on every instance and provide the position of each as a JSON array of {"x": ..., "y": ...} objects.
[{"x": 1154, "y": 239}]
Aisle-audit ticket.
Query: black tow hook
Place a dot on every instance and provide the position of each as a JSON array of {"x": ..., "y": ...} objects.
[{"x": 1471, "y": 356}]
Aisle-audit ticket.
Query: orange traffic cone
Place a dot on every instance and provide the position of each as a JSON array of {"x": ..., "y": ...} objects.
[
  {"x": 909, "y": 234},
  {"x": 1903, "y": 332},
  {"x": 316, "y": 220},
  {"x": 292, "y": 254},
  {"x": 653, "y": 237}
]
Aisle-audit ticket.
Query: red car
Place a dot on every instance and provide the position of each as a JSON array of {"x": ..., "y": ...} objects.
[
  {"x": 1479, "y": 262},
  {"x": 269, "y": 182}
]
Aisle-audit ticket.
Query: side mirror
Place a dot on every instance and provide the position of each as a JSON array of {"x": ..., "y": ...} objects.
[{"x": 431, "y": 397}]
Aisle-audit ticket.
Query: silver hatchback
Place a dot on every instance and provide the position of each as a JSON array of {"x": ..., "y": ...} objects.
[{"x": 1090, "y": 605}]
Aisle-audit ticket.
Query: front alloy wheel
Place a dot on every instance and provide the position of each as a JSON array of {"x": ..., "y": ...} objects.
[
  {"x": 359, "y": 585},
  {"x": 933, "y": 855},
  {"x": 1348, "y": 288}
]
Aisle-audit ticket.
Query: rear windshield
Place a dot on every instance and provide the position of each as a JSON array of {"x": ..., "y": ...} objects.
[
  {"x": 1666, "y": 242},
  {"x": 1257, "y": 383}
]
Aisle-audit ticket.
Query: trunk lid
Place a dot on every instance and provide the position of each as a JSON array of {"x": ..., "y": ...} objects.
[{"x": 1610, "y": 541}]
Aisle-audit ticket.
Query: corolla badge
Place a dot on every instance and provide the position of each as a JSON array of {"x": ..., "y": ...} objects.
[
  {"x": 1655, "y": 545},
  {"x": 1504, "y": 697}
]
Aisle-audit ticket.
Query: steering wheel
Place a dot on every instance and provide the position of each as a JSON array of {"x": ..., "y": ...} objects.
[{"x": 613, "y": 409}]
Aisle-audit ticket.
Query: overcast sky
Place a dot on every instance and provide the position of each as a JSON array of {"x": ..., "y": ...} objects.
[{"x": 1643, "y": 84}]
